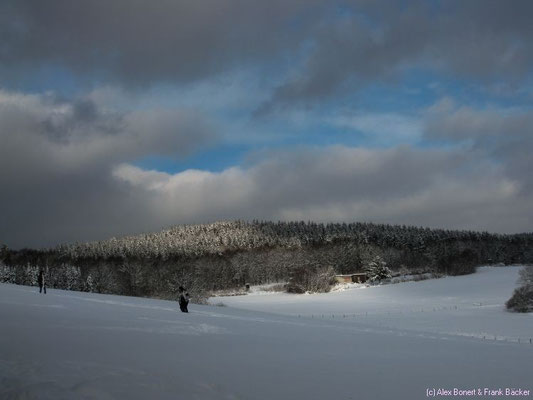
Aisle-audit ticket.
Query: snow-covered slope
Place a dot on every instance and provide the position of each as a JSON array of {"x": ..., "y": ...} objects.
[
  {"x": 67, "y": 345},
  {"x": 471, "y": 305}
]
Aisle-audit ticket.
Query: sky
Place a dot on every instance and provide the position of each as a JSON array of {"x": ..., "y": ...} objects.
[{"x": 127, "y": 116}]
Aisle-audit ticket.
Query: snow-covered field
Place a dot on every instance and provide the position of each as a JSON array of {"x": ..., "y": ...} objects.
[
  {"x": 471, "y": 305},
  {"x": 68, "y": 345}
]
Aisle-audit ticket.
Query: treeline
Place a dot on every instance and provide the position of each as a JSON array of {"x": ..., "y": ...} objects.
[{"x": 226, "y": 255}]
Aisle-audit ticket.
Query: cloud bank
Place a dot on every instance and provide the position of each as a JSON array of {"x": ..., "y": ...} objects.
[
  {"x": 76, "y": 180},
  {"x": 402, "y": 185},
  {"x": 410, "y": 112}
]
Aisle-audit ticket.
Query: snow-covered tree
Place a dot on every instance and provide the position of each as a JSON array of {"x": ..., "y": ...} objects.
[
  {"x": 73, "y": 278},
  {"x": 526, "y": 275},
  {"x": 522, "y": 299},
  {"x": 7, "y": 274},
  {"x": 377, "y": 270}
]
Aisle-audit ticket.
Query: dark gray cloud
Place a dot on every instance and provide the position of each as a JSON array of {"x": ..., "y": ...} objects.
[
  {"x": 481, "y": 40},
  {"x": 138, "y": 42},
  {"x": 56, "y": 160},
  {"x": 327, "y": 45},
  {"x": 504, "y": 134}
]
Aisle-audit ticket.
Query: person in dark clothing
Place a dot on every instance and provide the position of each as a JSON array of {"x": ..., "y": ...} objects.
[
  {"x": 186, "y": 299},
  {"x": 183, "y": 299},
  {"x": 42, "y": 282}
]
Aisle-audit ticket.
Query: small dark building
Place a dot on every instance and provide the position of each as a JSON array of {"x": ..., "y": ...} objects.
[{"x": 360, "y": 277}]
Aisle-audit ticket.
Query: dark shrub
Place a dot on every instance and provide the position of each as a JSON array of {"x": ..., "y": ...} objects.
[
  {"x": 522, "y": 300},
  {"x": 309, "y": 279}
]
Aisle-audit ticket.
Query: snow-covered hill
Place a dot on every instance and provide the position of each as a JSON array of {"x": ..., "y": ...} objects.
[{"x": 68, "y": 345}]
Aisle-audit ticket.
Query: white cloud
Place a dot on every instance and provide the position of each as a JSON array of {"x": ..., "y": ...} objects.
[{"x": 402, "y": 185}]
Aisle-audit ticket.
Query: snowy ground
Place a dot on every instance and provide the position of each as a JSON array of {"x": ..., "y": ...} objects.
[
  {"x": 67, "y": 345},
  {"x": 471, "y": 305}
]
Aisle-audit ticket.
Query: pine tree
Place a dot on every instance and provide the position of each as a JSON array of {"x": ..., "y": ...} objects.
[{"x": 377, "y": 270}]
